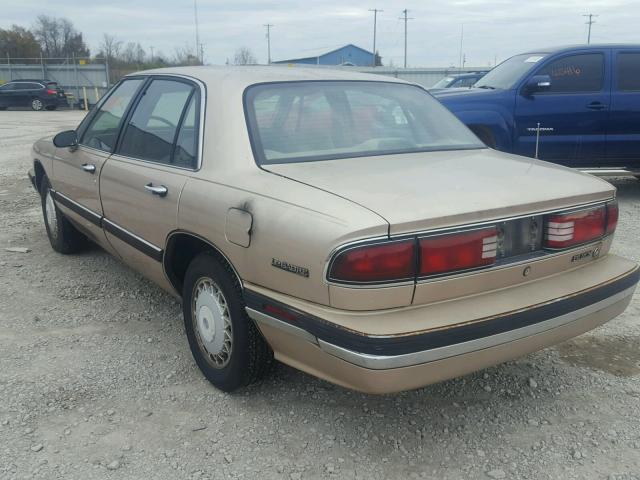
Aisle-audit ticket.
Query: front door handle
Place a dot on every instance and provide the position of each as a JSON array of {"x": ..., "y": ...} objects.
[
  {"x": 596, "y": 106},
  {"x": 160, "y": 190},
  {"x": 89, "y": 167}
]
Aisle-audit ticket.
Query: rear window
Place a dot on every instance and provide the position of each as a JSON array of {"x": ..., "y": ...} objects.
[
  {"x": 324, "y": 120},
  {"x": 629, "y": 72}
]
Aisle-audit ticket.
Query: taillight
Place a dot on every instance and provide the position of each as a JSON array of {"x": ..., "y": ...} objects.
[
  {"x": 612, "y": 216},
  {"x": 458, "y": 251},
  {"x": 575, "y": 228},
  {"x": 51, "y": 92},
  {"x": 375, "y": 263}
]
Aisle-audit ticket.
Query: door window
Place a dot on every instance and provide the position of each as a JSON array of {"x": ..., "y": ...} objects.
[
  {"x": 575, "y": 73},
  {"x": 9, "y": 87},
  {"x": 186, "y": 151},
  {"x": 628, "y": 72},
  {"x": 151, "y": 132},
  {"x": 102, "y": 132}
]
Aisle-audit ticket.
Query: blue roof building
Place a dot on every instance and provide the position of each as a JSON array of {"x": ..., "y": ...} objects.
[{"x": 348, "y": 55}]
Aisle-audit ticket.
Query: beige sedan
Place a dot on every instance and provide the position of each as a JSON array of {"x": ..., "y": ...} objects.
[{"x": 341, "y": 223}]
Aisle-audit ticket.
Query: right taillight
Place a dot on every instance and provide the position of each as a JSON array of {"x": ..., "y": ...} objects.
[
  {"x": 565, "y": 230},
  {"x": 381, "y": 262}
]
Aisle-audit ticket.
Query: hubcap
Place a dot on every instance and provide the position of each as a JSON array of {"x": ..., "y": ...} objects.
[
  {"x": 50, "y": 213},
  {"x": 37, "y": 104},
  {"x": 212, "y": 322}
]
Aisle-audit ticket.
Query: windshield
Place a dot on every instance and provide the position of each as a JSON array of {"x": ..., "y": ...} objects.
[
  {"x": 444, "y": 83},
  {"x": 507, "y": 74},
  {"x": 322, "y": 120}
]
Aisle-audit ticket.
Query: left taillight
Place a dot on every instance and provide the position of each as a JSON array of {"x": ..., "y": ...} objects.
[
  {"x": 382, "y": 262},
  {"x": 575, "y": 228}
]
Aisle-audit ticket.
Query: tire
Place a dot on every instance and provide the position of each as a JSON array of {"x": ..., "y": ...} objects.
[
  {"x": 36, "y": 104},
  {"x": 212, "y": 303},
  {"x": 50, "y": 107},
  {"x": 63, "y": 236}
]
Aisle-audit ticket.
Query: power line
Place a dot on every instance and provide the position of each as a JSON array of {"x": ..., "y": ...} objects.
[
  {"x": 405, "y": 18},
  {"x": 590, "y": 22},
  {"x": 268, "y": 25},
  {"x": 375, "y": 20}
]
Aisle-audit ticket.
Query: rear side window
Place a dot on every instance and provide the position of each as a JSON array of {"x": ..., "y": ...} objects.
[
  {"x": 102, "y": 132},
  {"x": 628, "y": 72},
  {"x": 186, "y": 150},
  {"x": 575, "y": 73},
  {"x": 28, "y": 86},
  {"x": 151, "y": 133}
]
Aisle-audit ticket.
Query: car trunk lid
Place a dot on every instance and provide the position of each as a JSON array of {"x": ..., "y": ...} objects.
[{"x": 425, "y": 191}]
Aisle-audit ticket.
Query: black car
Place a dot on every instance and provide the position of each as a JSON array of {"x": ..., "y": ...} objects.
[
  {"x": 461, "y": 80},
  {"x": 37, "y": 94}
]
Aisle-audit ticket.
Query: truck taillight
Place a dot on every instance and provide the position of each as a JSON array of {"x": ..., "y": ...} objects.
[
  {"x": 381, "y": 262},
  {"x": 458, "y": 251},
  {"x": 575, "y": 228}
]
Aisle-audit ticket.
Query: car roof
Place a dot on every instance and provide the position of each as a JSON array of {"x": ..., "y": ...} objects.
[
  {"x": 582, "y": 47},
  {"x": 36, "y": 80},
  {"x": 243, "y": 76}
]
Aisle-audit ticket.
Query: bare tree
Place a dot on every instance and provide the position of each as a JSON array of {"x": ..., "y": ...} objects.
[
  {"x": 110, "y": 47},
  {"x": 244, "y": 56},
  {"x": 58, "y": 37},
  {"x": 185, "y": 56}
]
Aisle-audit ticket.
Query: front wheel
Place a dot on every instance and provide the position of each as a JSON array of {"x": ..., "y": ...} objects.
[
  {"x": 36, "y": 104},
  {"x": 226, "y": 345},
  {"x": 63, "y": 236}
]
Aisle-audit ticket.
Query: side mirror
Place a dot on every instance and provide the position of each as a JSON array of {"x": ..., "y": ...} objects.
[
  {"x": 68, "y": 138},
  {"x": 537, "y": 83}
]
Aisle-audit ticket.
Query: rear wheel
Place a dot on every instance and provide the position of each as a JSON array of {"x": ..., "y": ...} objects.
[
  {"x": 51, "y": 107},
  {"x": 36, "y": 104},
  {"x": 226, "y": 345},
  {"x": 63, "y": 236}
]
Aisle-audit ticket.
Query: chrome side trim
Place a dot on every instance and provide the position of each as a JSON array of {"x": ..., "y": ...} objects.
[
  {"x": 610, "y": 172},
  {"x": 261, "y": 318},
  {"x": 381, "y": 362}
]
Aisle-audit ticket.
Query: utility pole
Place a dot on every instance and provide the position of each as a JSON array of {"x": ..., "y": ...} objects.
[
  {"x": 375, "y": 22},
  {"x": 461, "y": 44},
  {"x": 590, "y": 22},
  {"x": 405, "y": 18},
  {"x": 195, "y": 13},
  {"x": 268, "y": 25},
  {"x": 151, "y": 48},
  {"x": 201, "y": 51}
]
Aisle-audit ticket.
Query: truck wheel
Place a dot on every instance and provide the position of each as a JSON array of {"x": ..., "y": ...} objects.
[
  {"x": 226, "y": 345},
  {"x": 36, "y": 104},
  {"x": 63, "y": 236}
]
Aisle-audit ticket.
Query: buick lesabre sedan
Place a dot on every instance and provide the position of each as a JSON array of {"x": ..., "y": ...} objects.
[{"x": 348, "y": 226}]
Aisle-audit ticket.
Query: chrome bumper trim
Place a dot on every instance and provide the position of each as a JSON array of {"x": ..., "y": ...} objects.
[{"x": 382, "y": 362}]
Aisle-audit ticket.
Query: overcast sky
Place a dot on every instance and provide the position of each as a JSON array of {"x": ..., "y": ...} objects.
[{"x": 493, "y": 29}]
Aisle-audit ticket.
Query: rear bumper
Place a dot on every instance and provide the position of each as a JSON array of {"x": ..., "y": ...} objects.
[{"x": 381, "y": 364}]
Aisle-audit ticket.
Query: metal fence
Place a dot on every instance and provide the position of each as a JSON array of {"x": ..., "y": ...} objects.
[
  {"x": 427, "y": 77},
  {"x": 77, "y": 76}
]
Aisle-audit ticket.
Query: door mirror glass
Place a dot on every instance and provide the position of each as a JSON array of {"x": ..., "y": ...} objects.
[
  {"x": 68, "y": 138},
  {"x": 538, "y": 83}
]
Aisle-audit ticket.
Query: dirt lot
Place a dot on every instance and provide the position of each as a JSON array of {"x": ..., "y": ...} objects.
[{"x": 97, "y": 381}]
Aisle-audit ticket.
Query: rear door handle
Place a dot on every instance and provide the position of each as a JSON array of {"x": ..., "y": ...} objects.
[
  {"x": 89, "y": 167},
  {"x": 160, "y": 190},
  {"x": 596, "y": 106}
]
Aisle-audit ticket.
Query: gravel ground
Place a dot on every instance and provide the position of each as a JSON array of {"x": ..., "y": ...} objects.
[{"x": 97, "y": 381}]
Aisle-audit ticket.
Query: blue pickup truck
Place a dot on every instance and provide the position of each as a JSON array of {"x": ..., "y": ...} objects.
[{"x": 576, "y": 106}]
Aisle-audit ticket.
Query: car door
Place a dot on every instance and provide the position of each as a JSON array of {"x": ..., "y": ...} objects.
[
  {"x": 6, "y": 95},
  {"x": 571, "y": 115},
  {"x": 141, "y": 183},
  {"x": 623, "y": 136},
  {"x": 76, "y": 170}
]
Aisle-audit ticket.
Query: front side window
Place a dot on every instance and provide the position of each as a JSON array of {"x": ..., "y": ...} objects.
[
  {"x": 102, "y": 132},
  {"x": 8, "y": 87},
  {"x": 628, "y": 71},
  {"x": 575, "y": 73},
  {"x": 309, "y": 121},
  {"x": 151, "y": 132}
]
